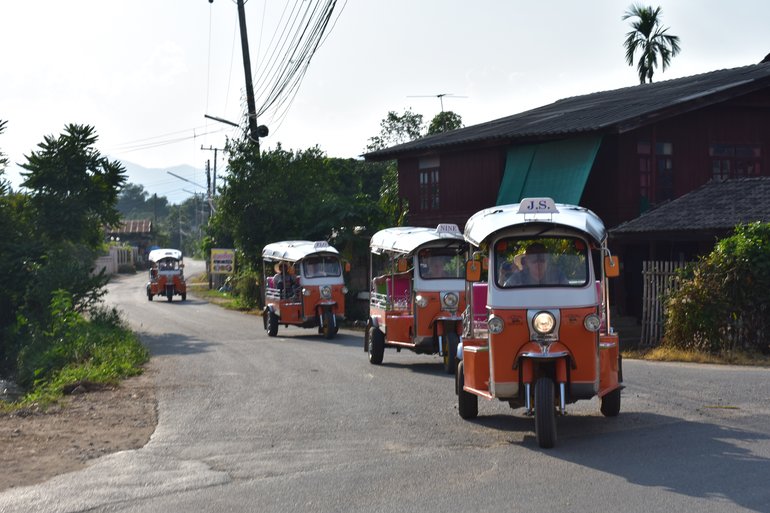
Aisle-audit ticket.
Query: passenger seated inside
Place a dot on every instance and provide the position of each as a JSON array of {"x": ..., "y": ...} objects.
[{"x": 284, "y": 281}]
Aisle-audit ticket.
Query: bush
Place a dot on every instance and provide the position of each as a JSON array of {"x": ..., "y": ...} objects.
[{"x": 723, "y": 304}]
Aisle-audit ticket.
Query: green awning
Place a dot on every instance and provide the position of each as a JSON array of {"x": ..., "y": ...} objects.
[{"x": 557, "y": 170}]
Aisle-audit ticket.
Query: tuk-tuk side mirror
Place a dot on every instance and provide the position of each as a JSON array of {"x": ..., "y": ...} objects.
[
  {"x": 473, "y": 271},
  {"x": 402, "y": 265},
  {"x": 611, "y": 266}
]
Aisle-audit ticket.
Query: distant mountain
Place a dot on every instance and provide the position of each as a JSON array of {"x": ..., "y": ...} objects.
[
  {"x": 159, "y": 180},
  {"x": 154, "y": 180}
]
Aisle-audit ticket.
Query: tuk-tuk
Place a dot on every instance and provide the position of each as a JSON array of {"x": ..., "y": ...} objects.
[
  {"x": 541, "y": 337},
  {"x": 166, "y": 274},
  {"x": 308, "y": 287},
  {"x": 417, "y": 292}
]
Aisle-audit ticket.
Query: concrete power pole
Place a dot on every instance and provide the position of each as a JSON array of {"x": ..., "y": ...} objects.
[{"x": 253, "y": 134}]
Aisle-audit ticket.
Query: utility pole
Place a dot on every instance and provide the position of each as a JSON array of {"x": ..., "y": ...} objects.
[
  {"x": 247, "y": 70},
  {"x": 255, "y": 132},
  {"x": 214, "y": 181}
]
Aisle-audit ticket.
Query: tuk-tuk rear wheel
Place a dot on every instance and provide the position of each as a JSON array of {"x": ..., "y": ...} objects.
[
  {"x": 376, "y": 344},
  {"x": 467, "y": 403},
  {"x": 611, "y": 404},
  {"x": 545, "y": 413},
  {"x": 271, "y": 323}
]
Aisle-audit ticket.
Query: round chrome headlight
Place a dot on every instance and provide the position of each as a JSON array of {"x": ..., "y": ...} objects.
[
  {"x": 495, "y": 325},
  {"x": 450, "y": 300},
  {"x": 421, "y": 301},
  {"x": 326, "y": 292},
  {"x": 344, "y": 290},
  {"x": 305, "y": 292},
  {"x": 592, "y": 322},
  {"x": 543, "y": 322}
]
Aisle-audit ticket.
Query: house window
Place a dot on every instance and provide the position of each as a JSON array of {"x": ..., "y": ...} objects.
[
  {"x": 429, "y": 183},
  {"x": 735, "y": 160},
  {"x": 656, "y": 172}
]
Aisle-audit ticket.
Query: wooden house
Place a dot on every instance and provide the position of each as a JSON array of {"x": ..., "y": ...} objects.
[{"x": 619, "y": 153}]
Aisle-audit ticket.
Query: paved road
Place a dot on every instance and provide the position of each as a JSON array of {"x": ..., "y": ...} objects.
[{"x": 301, "y": 424}]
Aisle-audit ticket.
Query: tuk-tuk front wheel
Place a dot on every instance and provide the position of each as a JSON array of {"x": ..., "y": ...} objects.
[
  {"x": 611, "y": 404},
  {"x": 327, "y": 318},
  {"x": 545, "y": 413},
  {"x": 451, "y": 339},
  {"x": 467, "y": 403},
  {"x": 376, "y": 344}
]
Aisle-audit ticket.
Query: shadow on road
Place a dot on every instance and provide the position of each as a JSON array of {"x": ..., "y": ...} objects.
[{"x": 174, "y": 344}]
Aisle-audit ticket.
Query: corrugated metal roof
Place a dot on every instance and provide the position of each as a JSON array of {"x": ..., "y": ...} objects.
[
  {"x": 715, "y": 206},
  {"x": 613, "y": 111},
  {"x": 135, "y": 226}
]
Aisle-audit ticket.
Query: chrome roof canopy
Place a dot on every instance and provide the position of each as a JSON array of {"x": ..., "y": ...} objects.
[
  {"x": 406, "y": 239},
  {"x": 540, "y": 211},
  {"x": 294, "y": 250}
]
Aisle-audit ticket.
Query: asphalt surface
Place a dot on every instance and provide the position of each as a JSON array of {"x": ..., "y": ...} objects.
[{"x": 297, "y": 423}]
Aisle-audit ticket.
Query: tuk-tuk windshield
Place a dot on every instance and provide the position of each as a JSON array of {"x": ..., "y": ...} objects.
[
  {"x": 441, "y": 263},
  {"x": 321, "y": 266},
  {"x": 543, "y": 261},
  {"x": 168, "y": 264}
]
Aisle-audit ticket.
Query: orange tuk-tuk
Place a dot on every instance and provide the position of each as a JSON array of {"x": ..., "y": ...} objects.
[
  {"x": 417, "y": 293},
  {"x": 166, "y": 274},
  {"x": 545, "y": 339},
  {"x": 308, "y": 288}
]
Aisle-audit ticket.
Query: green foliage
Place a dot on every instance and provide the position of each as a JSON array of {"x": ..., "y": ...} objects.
[
  {"x": 722, "y": 304},
  {"x": 445, "y": 121},
  {"x": 73, "y": 189},
  {"x": 136, "y": 203},
  {"x": 74, "y": 350},
  {"x": 650, "y": 39},
  {"x": 284, "y": 195},
  {"x": 397, "y": 129}
]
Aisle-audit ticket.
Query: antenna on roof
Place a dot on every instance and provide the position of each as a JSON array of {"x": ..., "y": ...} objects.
[{"x": 440, "y": 96}]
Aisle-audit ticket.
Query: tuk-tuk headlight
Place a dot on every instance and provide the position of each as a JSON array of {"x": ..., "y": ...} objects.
[
  {"x": 344, "y": 290},
  {"x": 451, "y": 300},
  {"x": 495, "y": 325},
  {"x": 305, "y": 292},
  {"x": 543, "y": 322},
  {"x": 326, "y": 292},
  {"x": 592, "y": 322},
  {"x": 421, "y": 301}
]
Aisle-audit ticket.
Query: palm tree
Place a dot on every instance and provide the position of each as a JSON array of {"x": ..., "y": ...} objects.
[{"x": 650, "y": 39}]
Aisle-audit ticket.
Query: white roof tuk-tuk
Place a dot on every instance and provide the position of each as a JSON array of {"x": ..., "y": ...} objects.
[
  {"x": 303, "y": 286},
  {"x": 545, "y": 340},
  {"x": 417, "y": 292},
  {"x": 166, "y": 274}
]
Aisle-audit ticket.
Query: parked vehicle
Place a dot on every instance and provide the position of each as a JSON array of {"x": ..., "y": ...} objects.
[
  {"x": 545, "y": 339},
  {"x": 308, "y": 288},
  {"x": 166, "y": 274},
  {"x": 417, "y": 292}
]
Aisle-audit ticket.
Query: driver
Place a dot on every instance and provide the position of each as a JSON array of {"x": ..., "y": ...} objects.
[{"x": 537, "y": 269}]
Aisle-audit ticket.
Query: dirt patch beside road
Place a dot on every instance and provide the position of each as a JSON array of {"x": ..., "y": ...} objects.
[{"x": 36, "y": 445}]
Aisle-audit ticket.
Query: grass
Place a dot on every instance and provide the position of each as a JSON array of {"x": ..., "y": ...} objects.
[{"x": 667, "y": 354}]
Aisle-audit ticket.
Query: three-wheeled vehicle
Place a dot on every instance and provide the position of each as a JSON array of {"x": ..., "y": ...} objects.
[
  {"x": 308, "y": 288},
  {"x": 417, "y": 292},
  {"x": 547, "y": 339},
  {"x": 166, "y": 274}
]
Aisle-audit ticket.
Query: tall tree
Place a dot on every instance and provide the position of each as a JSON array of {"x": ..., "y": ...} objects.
[
  {"x": 73, "y": 189},
  {"x": 650, "y": 39},
  {"x": 445, "y": 121}
]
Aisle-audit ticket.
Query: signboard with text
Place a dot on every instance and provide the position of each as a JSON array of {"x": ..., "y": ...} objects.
[{"x": 222, "y": 261}]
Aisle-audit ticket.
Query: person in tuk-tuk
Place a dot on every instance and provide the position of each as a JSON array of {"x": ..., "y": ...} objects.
[
  {"x": 537, "y": 269},
  {"x": 283, "y": 280}
]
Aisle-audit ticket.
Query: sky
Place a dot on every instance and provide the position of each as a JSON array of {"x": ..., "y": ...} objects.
[{"x": 145, "y": 73}]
